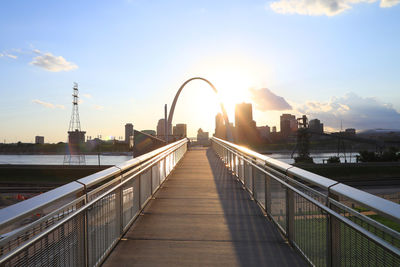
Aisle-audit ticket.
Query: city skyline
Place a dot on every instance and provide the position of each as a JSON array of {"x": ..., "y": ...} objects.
[{"x": 130, "y": 57}]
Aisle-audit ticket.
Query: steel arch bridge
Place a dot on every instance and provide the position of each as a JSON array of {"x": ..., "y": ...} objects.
[{"x": 224, "y": 114}]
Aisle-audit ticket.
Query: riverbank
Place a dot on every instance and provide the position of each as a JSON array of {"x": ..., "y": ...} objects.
[
  {"x": 39, "y": 175},
  {"x": 356, "y": 174}
]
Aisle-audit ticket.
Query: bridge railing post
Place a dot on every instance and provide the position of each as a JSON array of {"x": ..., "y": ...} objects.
[
  {"x": 86, "y": 237},
  {"x": 290, "y": 215},
  {"x": 333, "y": 234},
  {"x": 268, "y": 195}
]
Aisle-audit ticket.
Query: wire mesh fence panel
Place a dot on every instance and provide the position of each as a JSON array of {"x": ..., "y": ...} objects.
[
  {"x": 39, "y": 222},
  {"x": 105, "y": 187},
  {"x": 328, "y": 230},
  {"x": 130, "y": 201},
  {"x": 278, "y": 203},
  {"x": 310, "y": 230},
  {"x": 259, "y": 186},
  {"x": 236, "y": 165},
  {"x": 80, "y": 227},
  {"x": 162, "y": 170},
  {"x": 241, "y": 170},
  {"x": 63, "y": 246},
  {"x": 376, "y": 224},
  {"x": 145, "y": 187},
  {"x": 168, "y": 165},
  {"x": 232, "y": 162},
  {"x": 103, "y": 227},
  {"x": 354, "y": 249},
  {"x": 248, "y": 176},
  {"x": 155, "y": 177}
]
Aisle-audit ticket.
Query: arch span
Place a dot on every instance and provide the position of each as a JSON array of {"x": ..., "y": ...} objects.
[{"x": 224, "y": 114}]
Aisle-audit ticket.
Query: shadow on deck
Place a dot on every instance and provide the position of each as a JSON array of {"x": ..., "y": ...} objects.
[{"x": 202, "y": 217}]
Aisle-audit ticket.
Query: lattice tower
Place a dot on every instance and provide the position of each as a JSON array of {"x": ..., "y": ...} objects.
[
  {"x": 75, "y": 123},
  {"x": 75, "y": 136}
]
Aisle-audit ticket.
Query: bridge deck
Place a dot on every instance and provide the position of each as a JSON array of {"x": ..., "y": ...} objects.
[{"x": 202, "y": 217}]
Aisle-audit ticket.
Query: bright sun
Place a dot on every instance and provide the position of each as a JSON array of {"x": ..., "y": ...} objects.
[{"x": 232, "y": 78}]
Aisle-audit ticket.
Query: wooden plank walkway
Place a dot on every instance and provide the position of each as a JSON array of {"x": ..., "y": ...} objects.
[{"x": 202, "y": 217}]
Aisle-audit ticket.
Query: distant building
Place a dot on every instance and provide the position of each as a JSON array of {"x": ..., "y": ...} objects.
[
  {"x": 161, "y": 128},
  {"x": 39, "y": 139},
  {"x": 128, "y": 132},
  {"x": 75, "y": 138},
  {"x": 264, "y": 131},
  {"x": 316, "y": 126},
  {"x": 150, "y": 132},
  {"x": 246, "y": 131},
  {"x": 288, "y": 124},
  {"x": 202, "y": 137},
  {"x": 180, "y": 130},
  {"x": 350, "y": 132},
  {"x": 220, "y": 128},
  {"x": 274, "y": 129}
]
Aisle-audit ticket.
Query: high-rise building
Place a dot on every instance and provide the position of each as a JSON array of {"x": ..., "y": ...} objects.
[
  {"x": 288, "y": 124},
  {"x": 128, "y": 132},
  {"x": 202, "y": 137},
  {"x": 180, "y": 130},
  {"x": 316, "y": 126},
  {"x": 220, "y": 128},
  {"x": 264, "y": 131},
  {"x": 39, "y": 139},
  {"x": 246, "y": 131},
  {"x": 161, "y": 128}
]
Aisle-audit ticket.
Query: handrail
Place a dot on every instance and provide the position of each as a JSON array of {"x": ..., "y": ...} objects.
[
  {"x": 14, "y": 213},
  {"x": 382, "y": 206},
  {"x": 322, "y": 229},
  {"x": 110, "y": 200}
]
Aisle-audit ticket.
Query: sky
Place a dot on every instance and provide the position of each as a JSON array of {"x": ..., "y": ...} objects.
[{"x": 335, "y": 60}]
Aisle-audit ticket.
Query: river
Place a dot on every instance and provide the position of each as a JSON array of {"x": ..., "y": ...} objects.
[{"x": 115, "y": 159}]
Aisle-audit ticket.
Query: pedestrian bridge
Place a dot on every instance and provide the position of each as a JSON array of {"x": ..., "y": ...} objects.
[{"x": 222, "y": 205}]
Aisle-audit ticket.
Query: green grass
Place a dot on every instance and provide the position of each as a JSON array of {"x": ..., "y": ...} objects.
[
  {"x": 389, "y": 223},
  {"x": 353, "y": 248}
]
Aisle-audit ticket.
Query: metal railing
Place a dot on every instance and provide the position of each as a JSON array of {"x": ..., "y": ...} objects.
[
  {"x": 82, "y": 221},
  {"x": 313, "y": 212}
]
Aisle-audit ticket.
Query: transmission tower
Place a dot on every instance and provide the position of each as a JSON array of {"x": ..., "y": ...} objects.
[{"x": 76, "y": 137}]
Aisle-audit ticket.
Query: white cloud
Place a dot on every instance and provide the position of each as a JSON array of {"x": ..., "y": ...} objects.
[
  {"x": 60, "y": 106},
  {"x": 98, "y": 107},
  {"x": 265, "y": 100},
  {"x": 87, "y": 95},
  {"x": 12, "y": 56},
  {"x": 355, "y": 111},
  {"x": 388, "y": 3},
  {"x": 6, "y": 54},
  {"x": 52, "y": 63},
  {"x": 47, "y": 104},
  {"x": 321, "y": 7}
]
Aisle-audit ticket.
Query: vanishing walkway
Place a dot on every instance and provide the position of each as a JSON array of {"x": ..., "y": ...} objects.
[{"x": 202, "y": 217}]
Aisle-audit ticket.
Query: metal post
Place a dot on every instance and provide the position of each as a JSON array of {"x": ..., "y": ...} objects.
[
  {"x": 253, "y": 173},
  {"x": 119, "y": 208},
  {"x": 290, "y": 215},
  {"x": 333, "y": 239},
  {"x": 86, "y": 236},
  {"x": 166, "y": 130},
  {"x": 267, "y": 195}
]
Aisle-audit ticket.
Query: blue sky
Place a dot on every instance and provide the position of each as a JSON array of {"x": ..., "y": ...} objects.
[{"x": 336, "y": 60}]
